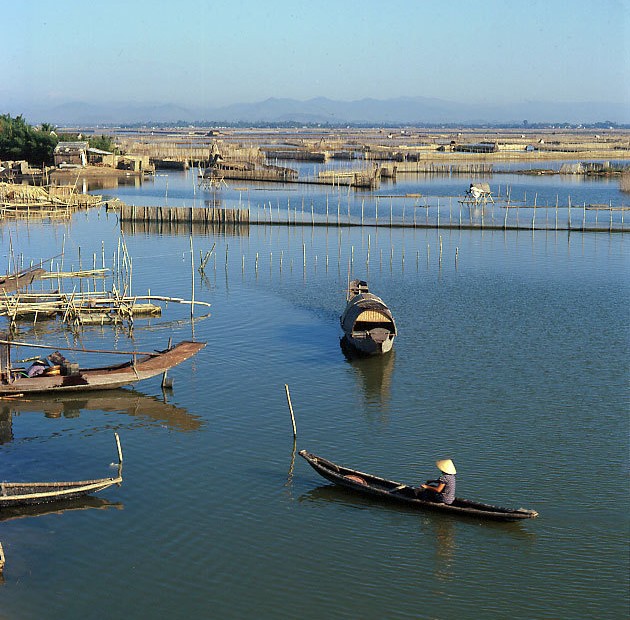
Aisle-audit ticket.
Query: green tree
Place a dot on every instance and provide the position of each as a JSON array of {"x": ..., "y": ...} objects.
[
  {"x": 103, "y": 142},
  {"x": 21, "y": 141}
]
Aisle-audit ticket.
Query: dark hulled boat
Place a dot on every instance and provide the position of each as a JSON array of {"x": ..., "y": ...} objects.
[
  {"x": 368, "y": 324},
  {"x": 69, "y": 378},
  {"x": 368, "y": 484}
]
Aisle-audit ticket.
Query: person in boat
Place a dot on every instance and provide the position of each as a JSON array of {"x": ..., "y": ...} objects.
[
  {"x": 38, "y": 367},
  {"x": 441, "y": 490},
  {"x": 46, "y": 366},
  {"x": 56, "y": 359}
]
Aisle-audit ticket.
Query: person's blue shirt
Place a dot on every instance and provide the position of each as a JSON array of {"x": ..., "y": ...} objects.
[{"x": 448, "y": 492}]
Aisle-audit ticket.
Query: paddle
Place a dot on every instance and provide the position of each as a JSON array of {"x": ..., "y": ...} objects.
[{"x": 400, "y": 487}]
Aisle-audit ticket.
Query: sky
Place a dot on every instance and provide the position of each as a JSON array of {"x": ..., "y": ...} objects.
[{"x": 218, "y": 53}]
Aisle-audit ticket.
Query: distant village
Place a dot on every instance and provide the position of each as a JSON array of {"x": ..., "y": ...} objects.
[
  {"x": 254, "y": 153},
  {"x": 73, "y": 156}
]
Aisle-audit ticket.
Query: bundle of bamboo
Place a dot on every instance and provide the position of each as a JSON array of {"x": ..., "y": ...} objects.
[
  {"x": 16, "y": 197},
  {"x": 89, "y": 308}
]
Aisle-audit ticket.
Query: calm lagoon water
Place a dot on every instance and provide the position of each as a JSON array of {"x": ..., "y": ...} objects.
[
  {"x": 512, "y": 360},
  {"x": 420, "y": 199}
]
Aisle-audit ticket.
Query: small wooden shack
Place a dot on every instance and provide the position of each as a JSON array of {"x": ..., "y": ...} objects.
[
  {"x": 71, "y": 154},
  {"x": 135, "y": 163},
  {"x": 98, "y": 157},
  {"x": 14, "y": 169}
]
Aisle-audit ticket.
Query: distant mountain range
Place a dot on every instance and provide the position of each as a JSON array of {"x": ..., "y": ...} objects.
[{"x": 402, "y": 110}]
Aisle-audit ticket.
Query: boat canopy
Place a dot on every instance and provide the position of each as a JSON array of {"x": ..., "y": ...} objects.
[{"x": 366, "y": 311}]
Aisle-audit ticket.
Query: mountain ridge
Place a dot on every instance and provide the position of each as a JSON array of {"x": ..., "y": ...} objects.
[{"x": 400, "y": 110}]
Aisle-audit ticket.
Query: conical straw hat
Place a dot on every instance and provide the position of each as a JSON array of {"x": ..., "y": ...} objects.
[{"x": 446, "y": 466}]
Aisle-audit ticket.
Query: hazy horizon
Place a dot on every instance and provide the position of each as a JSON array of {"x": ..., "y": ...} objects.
[
  {"x": 404, "y": 110},
  {"x": 488, "y": 54}
]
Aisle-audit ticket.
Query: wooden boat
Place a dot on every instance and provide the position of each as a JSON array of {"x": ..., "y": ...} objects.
[
  {"x": 69, "y": 377},
  {"x": 367, "y": 323},
  {"x": 368, "y": 484},
  {"x": 16, "y": 281},
  {"x": 24, "y": 493}
]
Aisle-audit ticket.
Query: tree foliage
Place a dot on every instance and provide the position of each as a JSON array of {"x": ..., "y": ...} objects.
[
  {"x": 21, "y": 141},
  {"x": 103, "y": 142}
]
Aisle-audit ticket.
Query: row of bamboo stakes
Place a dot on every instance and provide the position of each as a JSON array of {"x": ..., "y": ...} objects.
[
  {"x": 202, "y": 215},
  {"x": 427, "y": 167},
  {"x": 315, "y": 258},
  {"x": 443, "y": 218}
]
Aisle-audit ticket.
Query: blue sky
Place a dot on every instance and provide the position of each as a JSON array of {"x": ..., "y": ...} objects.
[{"x": 217, "y": 53}]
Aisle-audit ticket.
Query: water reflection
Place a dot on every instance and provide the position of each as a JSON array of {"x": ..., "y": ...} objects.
[
  {"x": 123, "y": 401},
  {"x": 289, "y": 481},
  {"x": 112, "y": 182},
  {"x": 374, "y": 373},
  {"x": 333, "y": 494},
  {"x": 6, "y": 426},
  {"x": 156, "y": 227},
  {"x": 443, "y": 531},
  {"x": 442, "y": 526},
  {"x": 58, "y": 507}
]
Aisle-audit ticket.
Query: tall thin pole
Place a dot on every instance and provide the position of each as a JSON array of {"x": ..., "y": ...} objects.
[
  {"x": 192, "y": 271},
  {"x": 286, "y": 389}
]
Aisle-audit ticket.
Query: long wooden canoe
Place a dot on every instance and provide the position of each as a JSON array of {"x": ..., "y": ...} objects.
[
  {"x": 368, "y": 484},
  {"x": 24, "y": 493},
  {"x": 15, "y": 381}
]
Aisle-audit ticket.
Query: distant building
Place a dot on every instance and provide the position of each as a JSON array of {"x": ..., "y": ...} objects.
[
  {"x": 98, "y": 157},
  {"x": 481, "y": 147},
  {"x": 13, "y": 169},
  {"x": 71, "y": 154},
  {"x": 135, "y": 163}
]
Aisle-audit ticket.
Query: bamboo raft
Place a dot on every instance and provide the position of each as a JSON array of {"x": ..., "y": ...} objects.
[
  {"x": 92, "y": 308},
  {"x": 19, "y": 200}
]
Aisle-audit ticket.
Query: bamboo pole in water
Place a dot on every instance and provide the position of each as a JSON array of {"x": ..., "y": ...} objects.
[
  {"x": 286, "y": 389},
  {"x": 192, "y": 278}
]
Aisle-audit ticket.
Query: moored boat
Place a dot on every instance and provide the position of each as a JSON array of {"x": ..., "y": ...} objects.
[
  {"x": 69, "y": 377},
  {"x": 25, "y": 493},
  {"x": 367, "y": 322},
  {"x": 16, "y": 281},
  {"x": 368, "y": 484}
]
